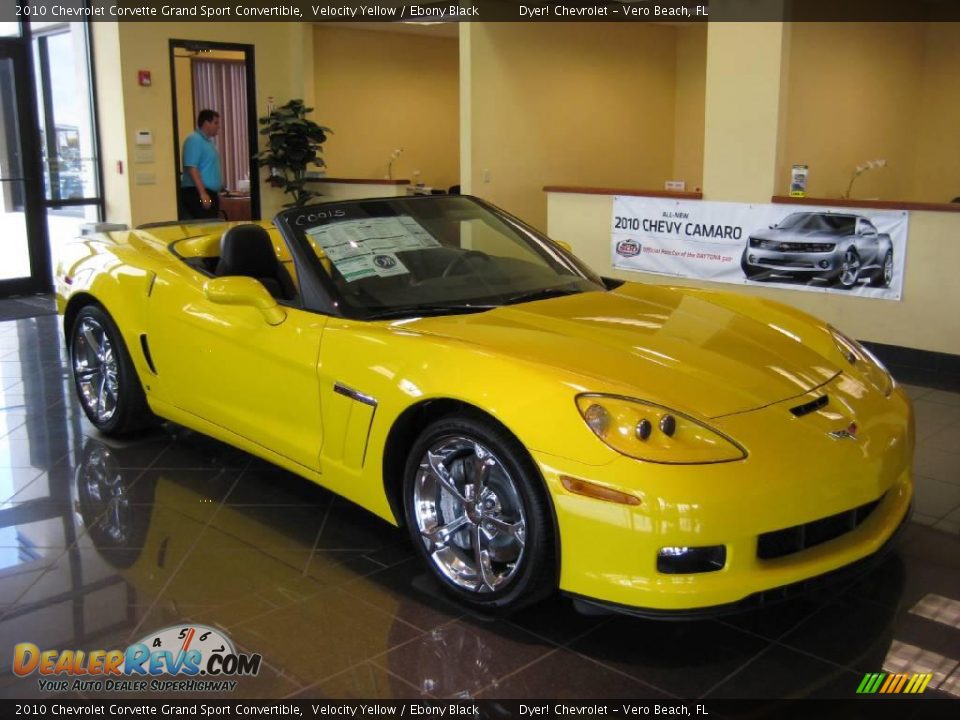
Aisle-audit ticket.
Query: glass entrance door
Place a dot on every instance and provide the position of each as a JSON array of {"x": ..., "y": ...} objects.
[{"x": 24, "y": 255}]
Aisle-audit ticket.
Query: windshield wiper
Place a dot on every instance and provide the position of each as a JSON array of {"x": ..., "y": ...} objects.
[
  {"x": 427, "y": 310},
  {"x": 542, "y": 294}
]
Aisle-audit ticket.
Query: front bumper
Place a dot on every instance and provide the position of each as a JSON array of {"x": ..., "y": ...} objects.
[
  {"x": 794, "y": 474},
  {"x": 807, "y": 263},
  {"x": 763, "y": 598}
]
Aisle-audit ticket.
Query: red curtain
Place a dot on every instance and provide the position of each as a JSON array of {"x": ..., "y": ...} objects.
[{"x": 221, "y": 85}]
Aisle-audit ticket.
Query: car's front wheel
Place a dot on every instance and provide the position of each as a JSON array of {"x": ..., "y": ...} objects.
[
  {"x": 478, "y": 514},
  {"x": 849, "y": 269},
  {"x": 103, "y": 373}
]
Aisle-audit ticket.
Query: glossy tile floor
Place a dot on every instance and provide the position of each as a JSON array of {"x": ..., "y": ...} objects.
[{"x": 103, "y": 542}]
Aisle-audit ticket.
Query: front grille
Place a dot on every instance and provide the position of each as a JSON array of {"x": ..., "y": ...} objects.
[
  {"x": 784, "y": 263},
  {"x": 792, "y": 246},
  {"x": 788, "y": 541}
]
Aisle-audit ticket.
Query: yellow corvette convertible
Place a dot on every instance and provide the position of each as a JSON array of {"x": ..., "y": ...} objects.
[{"x": 657, "y": 450}]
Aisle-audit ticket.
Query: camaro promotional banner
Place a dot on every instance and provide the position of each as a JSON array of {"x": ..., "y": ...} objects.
[{"x": 841, "y": 250}]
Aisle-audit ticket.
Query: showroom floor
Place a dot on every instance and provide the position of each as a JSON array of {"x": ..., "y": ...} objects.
[{"x": 102, "y": 543}]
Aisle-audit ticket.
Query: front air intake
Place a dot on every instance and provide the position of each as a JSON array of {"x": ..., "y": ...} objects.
[
  {"x": 788, "y": 541},
  {"x": 812, "y": 406}
]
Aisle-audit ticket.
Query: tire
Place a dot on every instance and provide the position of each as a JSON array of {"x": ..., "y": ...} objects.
[
  {"x": 850, "y": 270},
  {"x": 508, "y": 519},
  {"x": 107, "y": 384},
  {"x": 884, "y": 276}
]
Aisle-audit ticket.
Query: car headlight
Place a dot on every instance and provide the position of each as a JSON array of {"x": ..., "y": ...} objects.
[
  {"x": 865, "y": 361},
  {"x": 654, "y": 433}
]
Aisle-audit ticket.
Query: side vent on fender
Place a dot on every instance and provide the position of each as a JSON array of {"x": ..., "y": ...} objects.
[
  {"x": 146, "y": 353},
  {"x": 812, "y": 406}
]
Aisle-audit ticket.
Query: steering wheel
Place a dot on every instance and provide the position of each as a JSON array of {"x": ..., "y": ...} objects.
[{"x": 461, "y": 260}]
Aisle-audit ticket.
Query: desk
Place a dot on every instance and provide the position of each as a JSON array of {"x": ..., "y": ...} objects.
[{"x": 236, "y": 207}]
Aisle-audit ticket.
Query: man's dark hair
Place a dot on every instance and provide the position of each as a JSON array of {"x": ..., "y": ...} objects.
[{"x": 206, "y": 116}]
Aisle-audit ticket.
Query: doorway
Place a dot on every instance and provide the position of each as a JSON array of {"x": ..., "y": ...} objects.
[
  {"x": 219, "y": 77},
  {"x": 50, "y": 176},
  {"x": 23, "y": 240}
]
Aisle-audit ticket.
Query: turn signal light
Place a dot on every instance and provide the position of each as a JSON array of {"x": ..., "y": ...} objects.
[{"x": 583, "y": 487}]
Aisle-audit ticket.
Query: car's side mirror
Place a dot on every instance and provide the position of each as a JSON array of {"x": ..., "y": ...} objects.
[
  {"x": 565, "y": 245},
  {"x": 238, "y": 290},
  {"x": 773, "y": 226}
]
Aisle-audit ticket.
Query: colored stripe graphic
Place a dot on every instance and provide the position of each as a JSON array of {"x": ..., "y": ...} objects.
[
  {"x": 926, "y": 681},
  {"x": 903, "y": 681},
  {"x": 894, "y": 683},
  {"x": 870, "y": 683}
]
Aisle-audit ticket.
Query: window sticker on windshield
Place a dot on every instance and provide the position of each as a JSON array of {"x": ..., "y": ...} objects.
[
  {"x": 369, "y": 247},
  {"x": 362, "y": 266}
]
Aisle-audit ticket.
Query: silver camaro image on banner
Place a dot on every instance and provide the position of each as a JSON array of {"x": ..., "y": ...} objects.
[{"x": 843, "y": 249}]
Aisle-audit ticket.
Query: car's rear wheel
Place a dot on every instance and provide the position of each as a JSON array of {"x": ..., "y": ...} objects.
[
  {"x": 849, "y": 269},
  {"x": 103, "y": 373},
  {"x": 478, "y": 514},
  {"x": 884, "y": 276}
]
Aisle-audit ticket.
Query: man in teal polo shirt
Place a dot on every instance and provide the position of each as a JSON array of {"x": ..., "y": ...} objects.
[{"x": 202, "y": 180}]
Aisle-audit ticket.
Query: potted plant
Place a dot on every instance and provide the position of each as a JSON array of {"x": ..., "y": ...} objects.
[{"x": 293, "y": 143}]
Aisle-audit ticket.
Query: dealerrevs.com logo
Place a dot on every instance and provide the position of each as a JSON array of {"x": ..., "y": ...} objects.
[{"x": 203, "y": 656}]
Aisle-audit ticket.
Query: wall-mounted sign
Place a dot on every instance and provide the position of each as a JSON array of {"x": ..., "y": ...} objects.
[{"x": 843, "y": 250}]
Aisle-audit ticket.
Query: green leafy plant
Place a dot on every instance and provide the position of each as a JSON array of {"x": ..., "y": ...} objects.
[{"x": 293, "y": 144}]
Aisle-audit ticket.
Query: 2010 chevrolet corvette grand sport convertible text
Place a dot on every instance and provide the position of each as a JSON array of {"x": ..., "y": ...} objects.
[{"x": 659, "y": 450}]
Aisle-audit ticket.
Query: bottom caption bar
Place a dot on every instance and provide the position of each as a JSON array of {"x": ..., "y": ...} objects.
[{"x": 716, "y": 709}]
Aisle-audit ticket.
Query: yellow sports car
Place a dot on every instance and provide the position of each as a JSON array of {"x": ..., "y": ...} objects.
[{"x": 658, "y": 450}]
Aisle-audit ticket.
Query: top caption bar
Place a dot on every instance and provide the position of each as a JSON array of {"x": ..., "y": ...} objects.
[{"x": 691, "y": 11}]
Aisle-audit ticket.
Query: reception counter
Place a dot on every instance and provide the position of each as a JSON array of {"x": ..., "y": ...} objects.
[
  {"x": 333, "y": 189},
  {"x": 926, "y": 318}
]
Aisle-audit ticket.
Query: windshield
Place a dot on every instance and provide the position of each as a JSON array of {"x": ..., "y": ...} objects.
[
  {"x": 437, "y": 255},
  {"x": 814, "y": 222}
]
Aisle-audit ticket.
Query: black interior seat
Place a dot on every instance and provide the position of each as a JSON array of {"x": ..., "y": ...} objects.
[{"x": 248, "y": 250}]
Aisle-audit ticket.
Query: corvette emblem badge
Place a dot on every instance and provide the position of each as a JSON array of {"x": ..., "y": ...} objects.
[{"x": 849, "y": 433}]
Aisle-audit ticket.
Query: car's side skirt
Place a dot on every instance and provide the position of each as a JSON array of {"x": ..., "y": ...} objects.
[{"x": 189, "y": 420}]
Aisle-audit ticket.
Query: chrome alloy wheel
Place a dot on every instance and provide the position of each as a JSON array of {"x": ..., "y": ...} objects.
[
  {"x": 95, "y": 369},
  {"x": 850, "y": 269},
  {"x": 888, "y": 269},
  {"x": 469, "y": 514}
]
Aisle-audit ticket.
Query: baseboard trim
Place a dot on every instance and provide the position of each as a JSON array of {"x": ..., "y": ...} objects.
[{"x": 919, "y": 367}]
